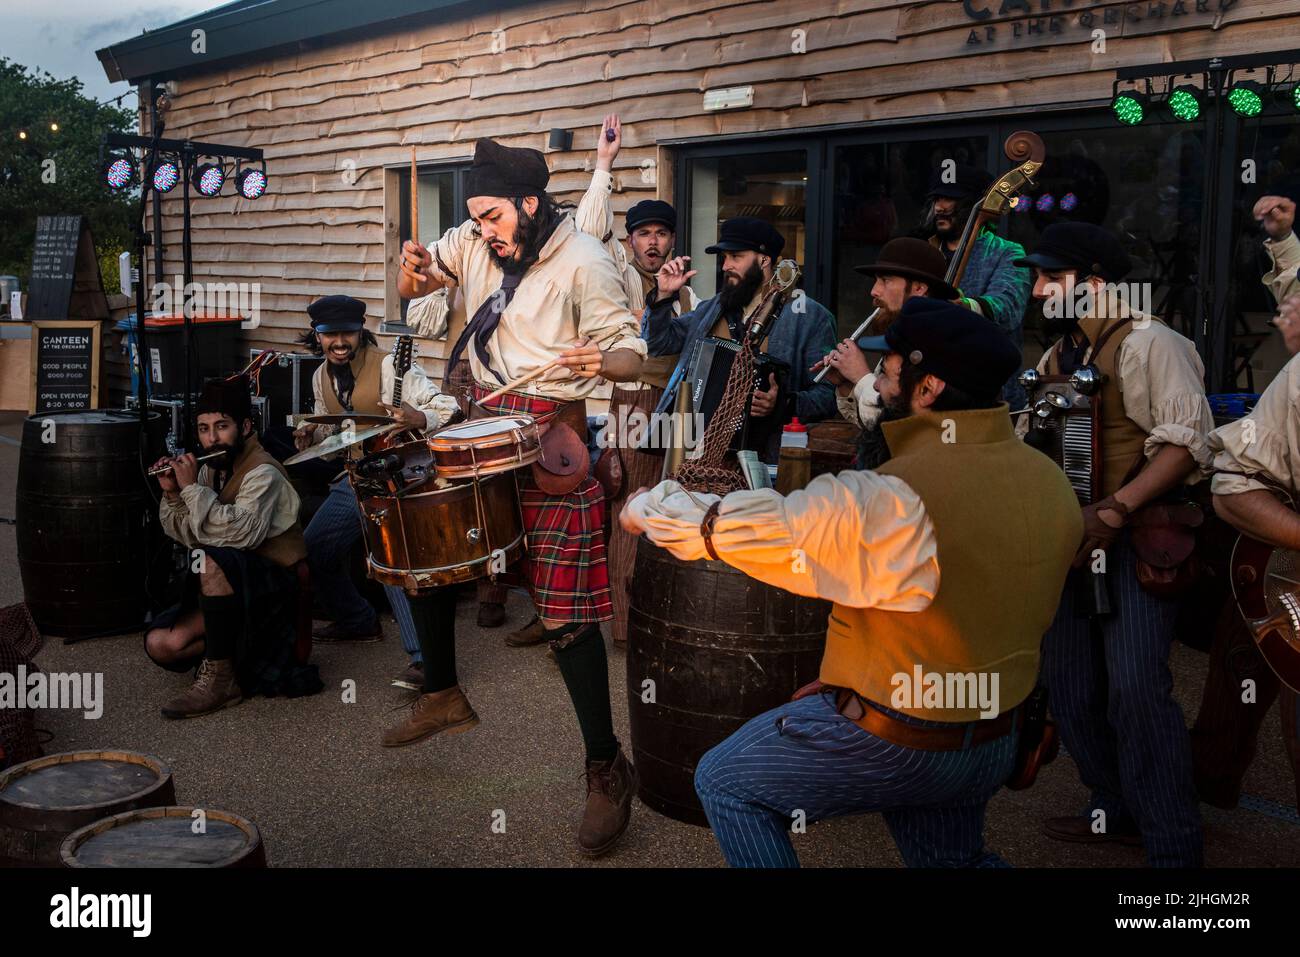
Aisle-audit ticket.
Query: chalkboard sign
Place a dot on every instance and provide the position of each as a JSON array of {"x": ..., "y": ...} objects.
[
  {"x": 65, "y": 366},
  {"x": 65, "y": 273}
]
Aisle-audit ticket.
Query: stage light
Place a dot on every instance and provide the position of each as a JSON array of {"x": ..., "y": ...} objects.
[
  {"x": 1185, "y": 104},
  {"x": 1129, "y": 107},
  {"x": 22, "y": 134},
  {"x": 54, "y": 127},
  {"x": 209, "y": 178},
  {"x": 1295, "y": 96},
  {"x": 166, "y": 174},
  {"x": 1021, "y": 204},
  {"x": 119, "y": 172},
  {"x": 251, "y": 183},
  {"x": 1045, "y": 203},
  {"x": 1246, "y": 98},
  {"x": 1068, "y": 202}
]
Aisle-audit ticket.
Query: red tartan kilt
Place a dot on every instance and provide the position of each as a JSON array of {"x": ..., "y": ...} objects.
[{"x": 564, "y": 564}]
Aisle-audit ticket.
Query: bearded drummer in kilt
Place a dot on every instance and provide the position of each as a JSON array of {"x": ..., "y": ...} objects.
[{"x": 536, "y": 288}]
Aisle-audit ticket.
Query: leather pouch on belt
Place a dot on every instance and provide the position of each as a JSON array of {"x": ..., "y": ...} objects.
[
  {"x": 1164, "y": 539},
  {"x": 609, "y": 473},
  {"x": 564, "y": 463}
]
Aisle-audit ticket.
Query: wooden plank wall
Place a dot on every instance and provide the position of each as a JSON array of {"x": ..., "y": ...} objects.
[{"x": 359, "y": 104}]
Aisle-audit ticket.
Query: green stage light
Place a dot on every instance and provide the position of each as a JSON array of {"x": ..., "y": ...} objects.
[
  {"x": 1245, "y": 98},
  {"x": 1184, "y": 104},
  {"x": 1129, "y": 107},
  {"x": 1295, "y": 96}
]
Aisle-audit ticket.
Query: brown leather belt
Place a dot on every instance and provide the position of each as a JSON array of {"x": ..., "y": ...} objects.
[{"x": 969, "y": 734}]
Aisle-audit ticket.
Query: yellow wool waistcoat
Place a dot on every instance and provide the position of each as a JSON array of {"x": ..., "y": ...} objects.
[{"x": 1007, "y": 525}]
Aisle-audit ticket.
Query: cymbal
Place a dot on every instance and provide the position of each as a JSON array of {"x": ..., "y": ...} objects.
[
  {"x": 358, "y": 419},
  {"x": 338, "y": 442}
]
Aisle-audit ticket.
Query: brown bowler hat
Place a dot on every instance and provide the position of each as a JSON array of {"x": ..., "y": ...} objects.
[{"x": 913, "y": 259}]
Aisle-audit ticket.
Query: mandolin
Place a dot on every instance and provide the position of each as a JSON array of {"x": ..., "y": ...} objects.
[
  {"x": 403, "y": 357},
  {"x": 1266, "y": 586}
]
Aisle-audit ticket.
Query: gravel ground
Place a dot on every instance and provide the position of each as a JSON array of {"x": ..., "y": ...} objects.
[{"x": 311, "y": 774}]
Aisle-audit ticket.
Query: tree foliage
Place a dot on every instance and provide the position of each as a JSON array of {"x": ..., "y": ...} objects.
[{"x": 32, "y": 186}]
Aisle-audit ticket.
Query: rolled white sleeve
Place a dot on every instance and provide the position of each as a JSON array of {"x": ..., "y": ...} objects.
[
  {"x": 1161, "y": 380},
  {"x": 418, "y": 391},
  {"x": 862, "y": 406},
  {"x": 860, "y": 539},
  {"x": 1282, "y": 280},
  {"x": 427, "y": 315},
  {"x": 242, "y": 524}
]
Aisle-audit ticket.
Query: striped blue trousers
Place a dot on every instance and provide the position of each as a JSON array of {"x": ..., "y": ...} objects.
[
  {"x": 806, "y": 757},
  {"x": 331, "y": 534},
  {"x": 1111, "y": 691}
]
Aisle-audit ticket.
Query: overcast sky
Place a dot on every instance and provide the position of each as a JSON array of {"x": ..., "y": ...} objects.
[{"x": 61, "y": 36}]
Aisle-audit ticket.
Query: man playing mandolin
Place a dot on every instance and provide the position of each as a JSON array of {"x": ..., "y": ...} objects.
[
  {"x": 358, "y": 377},
  {"x": 1255, "y": 465}
]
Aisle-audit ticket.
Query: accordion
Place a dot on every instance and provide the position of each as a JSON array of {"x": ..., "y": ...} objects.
[
  {"x": 706, "y": 378},
  {"x": 1065, "y": 424}
]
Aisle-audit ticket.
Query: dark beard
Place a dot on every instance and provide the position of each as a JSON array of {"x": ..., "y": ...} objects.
[
  {"x": 960, "y": 214},
  {"x": 529, "y": 238},
  {"x": 734, "y": 298},
  {"x": 231, "y": 453},
  {"x": 873, "y": 450},
  {"x": 1060, "y": 325}
]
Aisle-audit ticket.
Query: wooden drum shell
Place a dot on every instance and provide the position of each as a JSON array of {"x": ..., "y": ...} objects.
[
  {"x": 456, "y": 455},
  {"x": 423, "y": 539}
]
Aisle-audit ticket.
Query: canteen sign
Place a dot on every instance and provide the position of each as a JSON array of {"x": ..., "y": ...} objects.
[{"x": 1041, "y": 19}]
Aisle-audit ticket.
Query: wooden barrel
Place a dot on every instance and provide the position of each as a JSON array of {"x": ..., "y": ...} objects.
[
  {"x": 719, "y": 648},
  {"x": 166, "y": 837},
  {"x": 832, "y": 446},
  {"x": 44, "y": 800},
  {"x": 83, "y": 538}
]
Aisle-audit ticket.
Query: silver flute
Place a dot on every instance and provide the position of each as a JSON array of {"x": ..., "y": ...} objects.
[
  {"x": 856, "y": 332},
  {"x": 202, "y": 458}
]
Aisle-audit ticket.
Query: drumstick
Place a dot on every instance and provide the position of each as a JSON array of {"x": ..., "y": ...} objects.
[
  {"x": 522, "y": 380},
  {"x": 856, "y": 332},
  {"x": 415, "y": 200}
]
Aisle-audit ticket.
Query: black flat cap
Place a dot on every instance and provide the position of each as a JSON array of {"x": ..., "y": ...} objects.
[
  {"x": 913, "y": 259},
  {"x": 651, "y": 211},
  {"x": 968, "y": 182},
  {"x": 1088, "y": 249},
  {"x": 506, "y": 171},
  {"x": 337, "y": 314},
  {"x": 226, "y": 397},
  {"x": 954, "y": 344},
  {"x": 747, "y": 232}
]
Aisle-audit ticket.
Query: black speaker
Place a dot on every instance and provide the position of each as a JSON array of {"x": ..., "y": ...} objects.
[{"x": 561, "y": 140}]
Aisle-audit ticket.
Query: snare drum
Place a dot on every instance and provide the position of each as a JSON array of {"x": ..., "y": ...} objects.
[{"x": 485, "y": 446}]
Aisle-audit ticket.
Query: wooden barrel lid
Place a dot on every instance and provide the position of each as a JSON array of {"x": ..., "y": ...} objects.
[
  {"x": 48, "y": 792},
  {"x": 164, "y": 837}
]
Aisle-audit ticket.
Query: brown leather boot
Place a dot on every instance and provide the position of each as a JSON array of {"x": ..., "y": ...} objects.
[
  {"x": 1078, "y": 830},
  {"x": 214, "y": 688},
  {"x": 447, "y": 710},
  {"x": 531, "y": 634},
  {"x": 611, "y": 785}
]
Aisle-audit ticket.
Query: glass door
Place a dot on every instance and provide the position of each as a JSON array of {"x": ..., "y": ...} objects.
[{"x": 764, "y": 181}]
